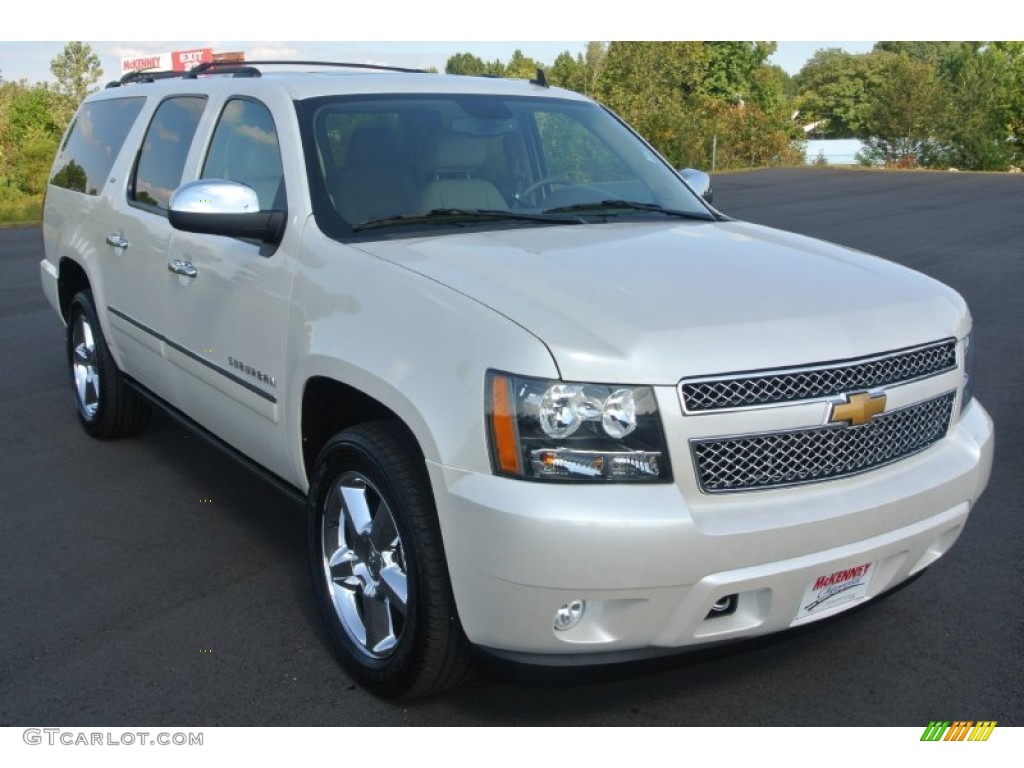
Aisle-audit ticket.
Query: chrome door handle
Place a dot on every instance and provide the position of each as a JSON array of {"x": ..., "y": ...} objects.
[
  {"x": 183, "y": 268},
  {"x": 117, "y": 240}
]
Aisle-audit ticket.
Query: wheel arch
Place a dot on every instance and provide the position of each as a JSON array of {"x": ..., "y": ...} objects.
[
  {"x": 71, "y": 279},
  {"x": 329, "y": 406}
]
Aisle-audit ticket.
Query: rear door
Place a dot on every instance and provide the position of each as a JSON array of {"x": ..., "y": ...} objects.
[{"x": 134, "y": 262}]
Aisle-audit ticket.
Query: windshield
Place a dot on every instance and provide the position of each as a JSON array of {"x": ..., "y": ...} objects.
[{"x": 395, "y": 165}]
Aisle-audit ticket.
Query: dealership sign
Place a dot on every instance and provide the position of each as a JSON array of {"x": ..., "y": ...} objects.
[{"x": 177, "y": 61}]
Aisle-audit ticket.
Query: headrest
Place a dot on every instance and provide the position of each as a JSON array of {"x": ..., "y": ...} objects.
[{"x": 456, "y": 152}]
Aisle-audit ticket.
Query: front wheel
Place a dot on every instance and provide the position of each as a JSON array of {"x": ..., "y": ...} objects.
[{"x": 378, "y": 566}]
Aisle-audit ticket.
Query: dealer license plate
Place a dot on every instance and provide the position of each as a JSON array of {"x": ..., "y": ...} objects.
[{"x": 832, "y": 589}]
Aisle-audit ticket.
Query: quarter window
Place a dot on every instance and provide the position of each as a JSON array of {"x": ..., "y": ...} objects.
[
  {"x": 93, "y": 143},
  {"x": 165, "y": 149},
  {"x": 245, "y": 149}
]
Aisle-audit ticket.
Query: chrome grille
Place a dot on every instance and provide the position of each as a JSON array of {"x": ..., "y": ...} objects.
[
  {"x": 817, "y": 381},
  {"x": 776, "y": 459}
]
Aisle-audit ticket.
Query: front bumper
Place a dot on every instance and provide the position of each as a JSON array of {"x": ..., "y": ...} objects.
[{"x": 649, "y": 563}]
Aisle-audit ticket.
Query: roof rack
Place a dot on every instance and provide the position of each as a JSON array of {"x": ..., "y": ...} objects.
[
  {"x": 344, "y": 64},
  {"x": 246, "y": 69}
]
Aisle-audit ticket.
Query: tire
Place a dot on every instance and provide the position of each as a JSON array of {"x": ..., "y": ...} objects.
[
  {"x": 378, "y": 567},
  {"x": 107, "y": 407}
]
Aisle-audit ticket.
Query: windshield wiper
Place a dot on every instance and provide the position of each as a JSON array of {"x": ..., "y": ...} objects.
[
  {"x": 461, "y": 215},
  {"x": 604, "y": 206}
]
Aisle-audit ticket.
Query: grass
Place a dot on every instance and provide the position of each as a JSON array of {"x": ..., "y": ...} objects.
[{"x": 21, "y": 210}]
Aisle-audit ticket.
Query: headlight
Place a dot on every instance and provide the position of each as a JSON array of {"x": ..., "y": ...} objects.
[
  {"x": 968, "y": 383},
  {"x": 556, "y": 430}
]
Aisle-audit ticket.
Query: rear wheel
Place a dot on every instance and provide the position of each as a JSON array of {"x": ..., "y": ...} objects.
[
  {"x": 378, "y": 566},
  {"x": 106, "y": 406}
]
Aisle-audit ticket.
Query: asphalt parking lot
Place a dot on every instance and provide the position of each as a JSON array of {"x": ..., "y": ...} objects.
[{"x": 154, "y": 581}]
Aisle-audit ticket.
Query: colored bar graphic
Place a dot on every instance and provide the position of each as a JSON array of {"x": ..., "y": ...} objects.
[
  {"x": 958, "y": 730},
  {"x": 935, "y": 730}
]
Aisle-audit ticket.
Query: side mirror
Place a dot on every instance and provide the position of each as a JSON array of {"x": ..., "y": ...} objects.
[
  {"x": 221, "y": 207},
  {"x": 699, "y": 182}
]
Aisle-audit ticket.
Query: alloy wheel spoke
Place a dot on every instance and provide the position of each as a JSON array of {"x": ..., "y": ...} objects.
[
  {"x": 90, "y": 343},
  {"x": 377, "y": 618},
  {"x": 92, "y": 380},
  {"x": 356, "y": 509},
  {"x": 346, "y": 603},
  {"x": 394, "y": 584},
  {"x": 83, "y": 354}
]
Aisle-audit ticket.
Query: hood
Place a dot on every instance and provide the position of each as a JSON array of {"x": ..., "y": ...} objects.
[{"x": 651, "y": 303}]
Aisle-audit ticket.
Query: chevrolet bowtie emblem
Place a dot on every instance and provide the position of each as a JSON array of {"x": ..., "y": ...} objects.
[{"x": 857, "y": 409}]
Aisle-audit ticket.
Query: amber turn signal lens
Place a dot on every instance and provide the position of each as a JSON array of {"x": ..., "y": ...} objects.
[{"x": 503, "y": 426}]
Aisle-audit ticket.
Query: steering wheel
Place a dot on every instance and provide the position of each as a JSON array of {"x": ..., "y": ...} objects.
[{"x": 560, "y": 180}]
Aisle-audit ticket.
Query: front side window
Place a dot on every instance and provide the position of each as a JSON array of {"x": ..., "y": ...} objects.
[
  {"x": 245, "y": 149},
  {"x": 164, "y": 150},
  {"x": 93, "y": 143},
  {"x": 399, "y": 164}
]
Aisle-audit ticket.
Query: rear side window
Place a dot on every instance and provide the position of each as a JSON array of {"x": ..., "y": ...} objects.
[
  {"x": 165, "y": 149},
  {"x": 93, "y": 142}
]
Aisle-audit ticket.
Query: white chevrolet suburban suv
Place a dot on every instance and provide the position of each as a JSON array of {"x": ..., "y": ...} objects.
[{"x": 543, "y": 401}]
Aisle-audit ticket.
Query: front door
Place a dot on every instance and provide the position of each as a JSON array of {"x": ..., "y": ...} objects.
[{"x": 227, "y": 308}]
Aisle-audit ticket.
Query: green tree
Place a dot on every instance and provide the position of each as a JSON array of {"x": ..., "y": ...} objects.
[
  {"x": 977, "y": 127},
  {"x": 832, "y": 90},
  {"x": 28, "y": 117},
  {"x": 520, "y": 66},
  {"x": 76, "y": 69},
  {"x": 685, "y": 97},
  {"x": 568, "y": 71},
  {"x": 593, "y": 62},
  {"x": 1013, "y": 53},
  {"x": 464, "y": 64},
  {"x": 29, "y": 133},
  {"x": 732, "y": 70},
  {"x": 578, "y": 73},
  {"x": 35, "y": 159},
  {"x": 929, "y": 51},
  {"x": 905, "y": 101},
  {"x": 648, "y": 85}
]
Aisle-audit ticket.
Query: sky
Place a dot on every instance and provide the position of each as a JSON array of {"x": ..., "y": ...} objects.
[
  {"x": 31, "y": 60},
  {"x": 541, "y": 30}
]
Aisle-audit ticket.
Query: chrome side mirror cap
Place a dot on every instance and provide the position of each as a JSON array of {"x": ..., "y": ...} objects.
[
  {"x": 226, "y": 208},
  {"x": 699, "y": 181},
  {"x": 215, "y": 196}
]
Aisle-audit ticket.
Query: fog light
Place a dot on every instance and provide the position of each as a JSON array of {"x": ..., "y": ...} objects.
[
  {"x": 723, "y": 606},
  {"x": 569, "y": 615}
]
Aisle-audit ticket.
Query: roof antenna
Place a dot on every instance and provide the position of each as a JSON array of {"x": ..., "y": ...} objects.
[{"x": 541, "y": 80}]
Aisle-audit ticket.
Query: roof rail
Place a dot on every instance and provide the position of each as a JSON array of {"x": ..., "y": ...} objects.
[
  {"x": 142, "y": 76},
  {"x": 245, "y": 69},
  {"x": 219, "y": 65},
  {"x": 148, "y": 76},
  {"x": 232, "y": 68}
]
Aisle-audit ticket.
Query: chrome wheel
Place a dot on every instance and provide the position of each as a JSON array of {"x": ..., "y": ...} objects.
[
  {"x": 85, "y": 367},
  {"x": 364, "y": 564}
]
